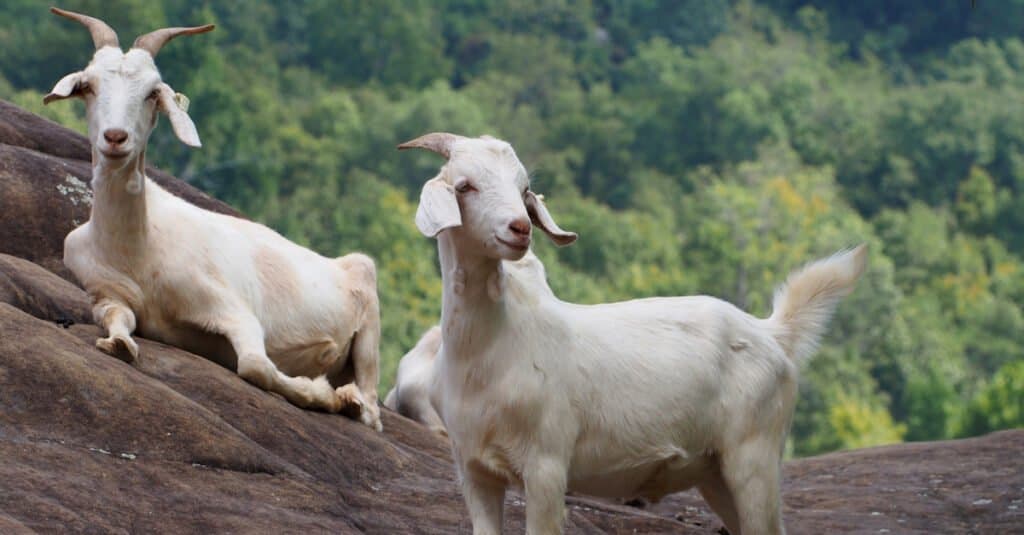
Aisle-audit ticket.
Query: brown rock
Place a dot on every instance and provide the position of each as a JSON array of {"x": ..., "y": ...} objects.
[
  {"x": 974, "y": 485},
  {"x": 177, "y": 443}
]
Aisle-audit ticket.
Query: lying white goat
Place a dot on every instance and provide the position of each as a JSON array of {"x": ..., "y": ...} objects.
[
  {"x": 152, "y": 262},
  {"x": 410, "y": 396},
  {"x": 642, "y": 397}
]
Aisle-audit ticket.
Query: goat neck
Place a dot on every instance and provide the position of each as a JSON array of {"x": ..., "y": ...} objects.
[
  {"x": 119, "y": 199},
  {"x": 472, "y": 304}
]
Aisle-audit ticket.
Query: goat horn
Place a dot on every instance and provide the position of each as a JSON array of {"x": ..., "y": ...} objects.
[
  {"x": 102, "y": 34},
  {"x": 439, "y": 142},
  {"x": 153, "y": 41}
]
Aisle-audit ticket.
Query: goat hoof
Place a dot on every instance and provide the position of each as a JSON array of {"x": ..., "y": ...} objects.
[
  {"x": 350, "y": 400},
  {"x": 122, "y": 348},
  {"x": 354, "y": 406}
]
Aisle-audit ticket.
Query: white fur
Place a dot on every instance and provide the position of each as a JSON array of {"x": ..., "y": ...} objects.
[
  {"x": 221, "y": 286},
  {"x": 410, "y": 396},
  {"x": 642, "y": 397}
]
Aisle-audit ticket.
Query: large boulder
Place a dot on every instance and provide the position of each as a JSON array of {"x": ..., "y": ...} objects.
[{"x": 176, "y": 443}]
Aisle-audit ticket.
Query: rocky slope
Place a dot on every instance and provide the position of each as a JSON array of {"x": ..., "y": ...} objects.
[{"x": 178, "y": 444}]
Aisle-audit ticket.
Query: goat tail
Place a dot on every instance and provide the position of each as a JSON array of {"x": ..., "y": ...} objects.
[{"x": 804, "y": 304}]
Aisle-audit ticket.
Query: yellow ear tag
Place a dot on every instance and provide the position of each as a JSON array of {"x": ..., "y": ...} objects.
[{"x": 181, "y": 101}]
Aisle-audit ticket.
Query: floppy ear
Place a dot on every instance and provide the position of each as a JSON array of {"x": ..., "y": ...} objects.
[
  {"x": 175, "y": 108},
  {"x": 66, "y": 87},
  {"x": 542, "y": 219},
  {"x": 438, "y": 209}
]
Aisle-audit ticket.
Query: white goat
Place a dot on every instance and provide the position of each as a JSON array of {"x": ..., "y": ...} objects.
[
  {"x": 410, "y": 396},
  {"x": 642, "y": 397},
  {"x": 154, "y": 263}
]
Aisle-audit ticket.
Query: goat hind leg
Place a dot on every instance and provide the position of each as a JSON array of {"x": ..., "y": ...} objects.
[
  {"x": 119, "y": 322},
  {"x": 752, "y": 471},
  {"x": 245, "y": 334},
  {"x": 361, "y": 395},
  {"x": 719, "y": 497}
]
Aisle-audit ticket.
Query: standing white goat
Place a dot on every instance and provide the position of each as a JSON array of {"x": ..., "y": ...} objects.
[
  {"x": 642, "y": 397},
  {"x": 154, "y": 263}
]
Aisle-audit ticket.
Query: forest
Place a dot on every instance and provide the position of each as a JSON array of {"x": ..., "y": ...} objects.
[{"x": 696, "y": 146}]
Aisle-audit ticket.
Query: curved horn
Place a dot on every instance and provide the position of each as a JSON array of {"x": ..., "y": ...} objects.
[
  {"x": 153, "y": 41},
  {"x": 439, "y": 142},
  {"x": 102, "y": 34}
]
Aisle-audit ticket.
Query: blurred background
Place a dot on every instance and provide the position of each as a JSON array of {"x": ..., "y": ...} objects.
[{"x": 697, "y": 146}]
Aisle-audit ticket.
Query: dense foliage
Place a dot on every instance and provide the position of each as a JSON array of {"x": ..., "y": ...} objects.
[{"x": 697, "y": 146}]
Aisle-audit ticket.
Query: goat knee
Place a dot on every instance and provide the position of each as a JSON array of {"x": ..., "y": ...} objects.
[{"x": 258, "y": 370}]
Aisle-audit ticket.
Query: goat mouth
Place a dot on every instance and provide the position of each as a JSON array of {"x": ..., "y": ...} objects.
[
  {"x": 518, "y": 247},
  {"x": 114, "y": 154}
]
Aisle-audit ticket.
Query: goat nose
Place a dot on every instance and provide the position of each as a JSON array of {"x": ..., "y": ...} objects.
[
  {"x": 115, "y": 136},
  {"x": 520, "y": 226}
]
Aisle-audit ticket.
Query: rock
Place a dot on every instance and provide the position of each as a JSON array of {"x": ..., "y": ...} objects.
[
  {"x": 42, "y": 294},
  {"x": 176, "y": 443},
  {"x": 955, "y": 486}
]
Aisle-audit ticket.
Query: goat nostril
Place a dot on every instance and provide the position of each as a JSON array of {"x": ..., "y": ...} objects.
[
  {"x": 520, "y": 227},
  {"x": 115, "y": 136}
]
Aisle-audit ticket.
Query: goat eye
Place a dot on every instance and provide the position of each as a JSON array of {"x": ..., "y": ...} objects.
[
  {"x": 153, "y": 95},
  {"x": 465, "y": 187},
  {"x": 85, "y": 88}
]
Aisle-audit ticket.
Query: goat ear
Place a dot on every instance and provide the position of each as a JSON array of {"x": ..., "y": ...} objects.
[
  {"x": 175, "y": 108},
  {"x": 542, "y": 219},
  {"x": 438, "y": 209},
  {"x": 66, "y": 87}
]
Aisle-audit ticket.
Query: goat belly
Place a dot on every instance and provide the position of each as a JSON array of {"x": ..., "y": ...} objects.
[{"x": 674, "y": 472}]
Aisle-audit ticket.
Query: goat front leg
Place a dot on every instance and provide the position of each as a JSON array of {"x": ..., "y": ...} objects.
[
  {"x": 485, "y": 499},
  {"x": 245, "y": 334},
  {"x": 545, "y": 481},
  {"x": 119, "y": 321}
]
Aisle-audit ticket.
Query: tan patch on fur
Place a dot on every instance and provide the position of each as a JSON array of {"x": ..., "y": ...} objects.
[
  {"x": 362, "y": 276},
  {"x": 275, "y": 273}
]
